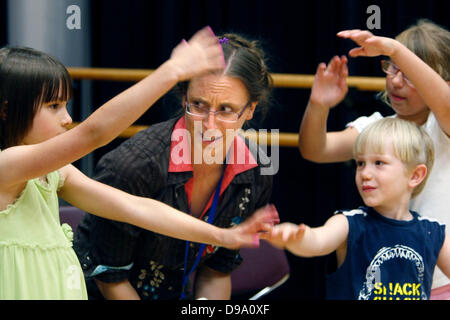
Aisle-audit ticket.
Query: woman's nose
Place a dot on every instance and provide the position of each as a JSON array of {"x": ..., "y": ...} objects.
[{"x": 210, "y": 121}]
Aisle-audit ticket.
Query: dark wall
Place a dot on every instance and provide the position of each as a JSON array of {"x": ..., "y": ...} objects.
[{"x": 3, "y": 23}]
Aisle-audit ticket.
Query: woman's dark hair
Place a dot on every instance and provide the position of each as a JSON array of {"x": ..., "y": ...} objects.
[
  {"x": 245, "y": 60},
  {"x": 28, "y": 78}
]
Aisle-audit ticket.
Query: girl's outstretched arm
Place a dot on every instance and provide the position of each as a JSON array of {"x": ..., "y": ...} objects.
[
  {"x": 201, "y": 54},
  {"x": 105, "y": 201},
  {"x": 329, "y": 89},
  {"x": 434, "y": 90},
  {"x": 310, "y": 242}
]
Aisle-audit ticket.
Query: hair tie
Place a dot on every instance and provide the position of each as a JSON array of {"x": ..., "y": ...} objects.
[{"x": 224, "y": 40}]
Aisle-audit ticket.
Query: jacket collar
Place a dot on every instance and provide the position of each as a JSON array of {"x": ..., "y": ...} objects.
[{"x": 238, "y": 169}]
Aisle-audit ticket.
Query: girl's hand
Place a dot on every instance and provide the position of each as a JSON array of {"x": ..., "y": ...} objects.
[
  {"x": 282, "y": 234},
  {"x": 330, "y": 83},
  {"x": 369, "y": 45},
  {"x": 201, "y": 54},
  {"x": 247, "y": 233}
]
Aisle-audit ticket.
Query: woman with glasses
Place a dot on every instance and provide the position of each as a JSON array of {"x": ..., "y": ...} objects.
[
  {"x": 417, "y": 89},
  {"x": 197, "y": 163}
]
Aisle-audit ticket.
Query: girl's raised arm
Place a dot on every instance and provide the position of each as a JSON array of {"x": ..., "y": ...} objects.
[
  {"x": 329, "y": 89},
  {"x": 434, "y": 90},
  {"x": 105, "y": 201},
  {"x": 18, "y": 164}
]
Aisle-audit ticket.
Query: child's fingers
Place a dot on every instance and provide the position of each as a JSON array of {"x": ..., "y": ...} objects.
[
  {"x": 256, "y": 240},
  {"x": 361, "y": 36},
  {"x": 343, "y": 72},
  {"x": 206, "y": 41},
  {"x": 270, "y": 213},
  {"x": 321, "y": 68},
  {"x": 333, "y": 65},
  {"x": 356, "y": 52},
  {"x": 344, "y": 67},
  {"x": 275, "y": 233},
  {"x": 205, "y": 36},
  {"x": 265, "y": 235},
  {"x": 287, "y": 235},
  {"x": 263, "y": 227},
  {"x": 183, "y": 44},
  {"x": 274, "y": 214},
  {"x": 262, "y": 220},
  {"x": 293, "y": 233},
  {"x": 301, "y": 230},
  {"x": 347, "y": 33},
  {"x": 215, "y": 57}
]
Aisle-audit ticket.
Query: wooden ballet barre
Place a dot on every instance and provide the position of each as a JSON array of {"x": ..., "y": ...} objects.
[
  {"x": 285, "y": 80},
  {"x": 284, "y": 139},
  {"x": 280, "y": 80}
]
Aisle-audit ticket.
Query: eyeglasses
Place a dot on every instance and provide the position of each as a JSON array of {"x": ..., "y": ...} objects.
[
  {"x": 199, "y": 110},
  {"x": 392, "y": 69}
]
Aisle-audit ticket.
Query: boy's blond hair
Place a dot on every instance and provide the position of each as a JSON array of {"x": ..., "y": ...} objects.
[{"x": 412, "y": 145}]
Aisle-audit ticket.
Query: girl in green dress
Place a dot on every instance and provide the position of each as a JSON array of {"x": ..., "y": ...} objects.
[{"x": 36, "y": 256}]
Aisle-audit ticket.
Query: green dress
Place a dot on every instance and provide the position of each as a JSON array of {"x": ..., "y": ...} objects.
[{"x": 36, "y": 256}]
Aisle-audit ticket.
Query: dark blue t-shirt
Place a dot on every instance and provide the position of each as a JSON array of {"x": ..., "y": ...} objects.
[{"x": 387, "y": 259}]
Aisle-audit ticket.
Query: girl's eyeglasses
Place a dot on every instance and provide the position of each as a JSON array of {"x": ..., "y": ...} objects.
[{"x": 391, "y": 69}]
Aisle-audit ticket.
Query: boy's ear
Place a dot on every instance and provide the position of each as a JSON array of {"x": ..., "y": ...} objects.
[{"x": 418, "y": 175}]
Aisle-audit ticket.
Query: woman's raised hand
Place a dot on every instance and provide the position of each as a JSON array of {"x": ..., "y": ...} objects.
[
  {"x": 369, "y": 45},
  {"x": 201, "y": 54},
  {"x": 330, "y": 83}
]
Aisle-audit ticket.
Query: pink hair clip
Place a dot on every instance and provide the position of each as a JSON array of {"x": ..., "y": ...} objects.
[{"x": 224, "y": 40}]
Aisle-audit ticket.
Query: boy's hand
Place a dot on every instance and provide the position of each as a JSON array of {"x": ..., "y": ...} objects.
[
  {"x": 284, "y": 233},
  {"x": 247, "y": 233},
  {"x": 369, "y": 45},
  {"x": 201, "y": 54},
  {"x": 330, "y": 83}
]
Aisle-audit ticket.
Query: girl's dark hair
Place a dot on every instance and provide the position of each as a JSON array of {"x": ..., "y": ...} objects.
[
  {"x": 28, "y": 78},
  {"x": 245, "y": 60}
]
